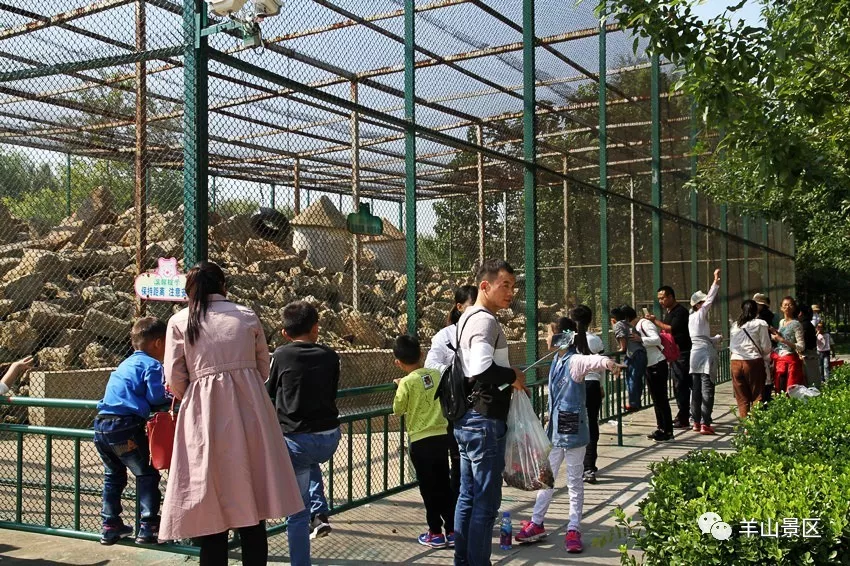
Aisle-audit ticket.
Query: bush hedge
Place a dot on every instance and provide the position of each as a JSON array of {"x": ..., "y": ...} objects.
[{"x": 792, "y": 462}]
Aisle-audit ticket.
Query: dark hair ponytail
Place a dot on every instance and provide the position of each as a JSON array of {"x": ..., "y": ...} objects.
[
  {"x": 463, "y": 295},
  {"x": 203, "y": 280},
  {"x": 749, "y": 311},
  {"x": 583, "y": 316}
]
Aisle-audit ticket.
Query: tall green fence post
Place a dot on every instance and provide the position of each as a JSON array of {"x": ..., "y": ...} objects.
[
  {"x": 195, "y": 133},
  {"x": 724, "y": 266},
  {"x": 272, "y": 199},
  {"x": 745, "y": 270},
  {"x": 766, "y": 259},
  {"x": 529, "y": 149},
  {"x": 602, "y": 317},
  {"x": 656, "y": 176},
  {"x": 693, "y": 202},
  {"x": 410, "y": 160}
]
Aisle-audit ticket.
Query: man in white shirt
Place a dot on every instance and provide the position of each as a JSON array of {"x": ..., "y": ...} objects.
[{"x": 481, "y": 432}]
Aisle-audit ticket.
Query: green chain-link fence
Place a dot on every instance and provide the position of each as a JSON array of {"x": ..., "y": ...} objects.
[{"x": 133, "y": 130}]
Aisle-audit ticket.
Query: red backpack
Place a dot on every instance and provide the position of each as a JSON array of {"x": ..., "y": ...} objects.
[{"x": 668, "y": 345}]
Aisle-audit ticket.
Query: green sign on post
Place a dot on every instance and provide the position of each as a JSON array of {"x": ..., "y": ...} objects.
[{"x": 364, "y": 222}]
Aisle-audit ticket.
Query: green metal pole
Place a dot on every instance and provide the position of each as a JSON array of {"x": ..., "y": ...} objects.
[
  {"x": 656, "y": 177},
  {"x": 67, "y": 184},
  {"x": 76, "y": 484},
  {"x": 48, "y": 480},
  {"x": 724, "y": 267},
  {"x": 350, "y": 462},
  {"x": 368, "y": 457},
  {"x": 19, "y": 472},
  {"x": 386, "y": 452},
  {"x": 272, "y": 196},
  {"x": 195, "y": 134},
  {"x": 745, "y": 284},
  {"x": 603, "y": 184},
  {"x": 766, "y": 260},
  {"x": 694, "y": 207},
  {"x": 410, "y": 161},
  {"x": 213, "y": 195},
  {"x": 529, "y": 147}
]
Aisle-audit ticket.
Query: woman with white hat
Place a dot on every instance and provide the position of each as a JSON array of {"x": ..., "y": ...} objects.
[{"x": 703, "y": 358}]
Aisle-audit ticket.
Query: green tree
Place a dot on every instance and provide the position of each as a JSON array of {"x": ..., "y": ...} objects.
[{"x": 779, "y": 95}]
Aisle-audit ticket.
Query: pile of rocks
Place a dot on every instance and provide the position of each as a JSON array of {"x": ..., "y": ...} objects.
[{"x": 67, "y": 292}]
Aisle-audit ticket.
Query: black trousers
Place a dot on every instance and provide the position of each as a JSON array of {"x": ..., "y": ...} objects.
[
  {"x": 454, "y": 460},
  {"x": 682, "y": 384},
  {"x": 255, "y": 547},
  {"x": 657, "y": 378},
  {"x": 430, "y": 460},
  {"x": 594, "y": 404}
]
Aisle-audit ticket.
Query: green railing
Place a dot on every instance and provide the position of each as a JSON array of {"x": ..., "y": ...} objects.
[{"x": 369, "y": 464}]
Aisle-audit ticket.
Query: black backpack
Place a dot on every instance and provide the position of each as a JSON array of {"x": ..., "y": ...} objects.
[{"x": 453, "y": 391}]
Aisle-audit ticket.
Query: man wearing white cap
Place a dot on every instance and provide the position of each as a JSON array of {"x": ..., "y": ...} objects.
[
  {"x": 765, "y": 313},
  {"x": 816, "y": 316}
]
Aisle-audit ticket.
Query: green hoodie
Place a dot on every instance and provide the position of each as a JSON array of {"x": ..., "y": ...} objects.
[{"x": 415, "y": 399}]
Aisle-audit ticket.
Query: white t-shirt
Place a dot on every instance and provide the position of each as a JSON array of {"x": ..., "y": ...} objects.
[
  {"x": 652, "y": 340},
  {"x": 742, "y": 348},
  {"x": 440, "y": 355},
  {"x": 596, "y": 346}
]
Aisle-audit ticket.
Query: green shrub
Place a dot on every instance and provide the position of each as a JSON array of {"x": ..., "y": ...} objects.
[
  {"x": 793, "y": 462},
  {"x": 739, "y": 487}
]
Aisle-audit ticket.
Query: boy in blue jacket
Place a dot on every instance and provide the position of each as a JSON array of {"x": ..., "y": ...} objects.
[{"x": 134, "y": 388}]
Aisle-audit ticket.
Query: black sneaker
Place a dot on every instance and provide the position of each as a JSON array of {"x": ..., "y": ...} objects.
[
  {"x": 148, "y": 534},
  {"x": 111, "y": 535},
  {"x": 589, "y": 476},
  {"x": 319, "y": 527}
]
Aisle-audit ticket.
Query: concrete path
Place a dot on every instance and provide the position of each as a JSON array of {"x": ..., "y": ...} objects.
[{"x": 385, "y": 531}]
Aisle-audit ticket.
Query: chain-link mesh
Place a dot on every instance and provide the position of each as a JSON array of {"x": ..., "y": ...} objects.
[{"x": 121, "y": 144}]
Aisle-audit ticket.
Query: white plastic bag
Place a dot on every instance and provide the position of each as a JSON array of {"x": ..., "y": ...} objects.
[{"x": 527, "y": 452}]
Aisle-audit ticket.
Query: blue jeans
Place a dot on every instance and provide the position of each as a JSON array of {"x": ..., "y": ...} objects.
[
  {"x": 318, "y": 503},
  {"x": 635, "y": 370},
  {"x": 823, "y": 362},
  {"x": 307, "y": 451},
  {"x": 123, "y": 443},
  {"x": 482, "y": 443}
]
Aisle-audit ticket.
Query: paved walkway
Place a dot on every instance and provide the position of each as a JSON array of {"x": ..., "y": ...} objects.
[{"x": 385, "y": 531}]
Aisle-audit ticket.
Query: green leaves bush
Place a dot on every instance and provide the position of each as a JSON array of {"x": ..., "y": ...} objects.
[{"x": 793, "y": 462}]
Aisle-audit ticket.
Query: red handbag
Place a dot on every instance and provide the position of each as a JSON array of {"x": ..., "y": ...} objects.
[{"x": 161, "y": 428}]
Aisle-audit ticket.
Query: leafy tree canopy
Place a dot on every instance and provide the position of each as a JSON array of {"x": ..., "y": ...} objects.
[{"x": 779, "y": 94}]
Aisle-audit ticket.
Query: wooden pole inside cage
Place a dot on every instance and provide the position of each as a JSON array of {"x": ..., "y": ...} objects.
[
  {"x": 140, "y": 193},
  {"x": 296, "y": 177}
]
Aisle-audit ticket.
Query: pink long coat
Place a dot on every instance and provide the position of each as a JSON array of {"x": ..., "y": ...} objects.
[{"x": 230, "y": 467}]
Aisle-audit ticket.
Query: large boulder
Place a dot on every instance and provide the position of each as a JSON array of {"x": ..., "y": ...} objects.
[
  {"x": 18, "y": 338},
  {"x": 98, "y": 356},
  {"x": 47, "y": 263},
  {"x": 52, "y": 318},
  {"x": 362, "y": 330},
  {"x": 93, "y": 261},
  {"x": 97, "y": 208},
  {"x": 23, "y": 290},
  {"x": 56, "y": 358},
  {"x": 7, "y": 307},
  {"x": 107, "y": 326}
]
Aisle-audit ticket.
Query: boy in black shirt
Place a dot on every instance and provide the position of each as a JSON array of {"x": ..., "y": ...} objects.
[{"x": 303, "y": 383}]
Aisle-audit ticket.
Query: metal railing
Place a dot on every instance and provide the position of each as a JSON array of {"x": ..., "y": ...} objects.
[{"x": 352, "y": 477}]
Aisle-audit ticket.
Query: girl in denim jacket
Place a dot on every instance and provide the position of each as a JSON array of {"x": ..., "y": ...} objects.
[{"x": 568, "y": 427}]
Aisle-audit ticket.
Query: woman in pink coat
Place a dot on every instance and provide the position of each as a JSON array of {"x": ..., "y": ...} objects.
[{"x": 230, "y": 468}]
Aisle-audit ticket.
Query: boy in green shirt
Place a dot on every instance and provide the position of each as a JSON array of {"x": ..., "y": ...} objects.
[{"x": 429, "y": 443}]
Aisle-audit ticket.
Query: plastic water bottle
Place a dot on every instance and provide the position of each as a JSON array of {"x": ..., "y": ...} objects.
[{"x": 506, "y": 534}]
